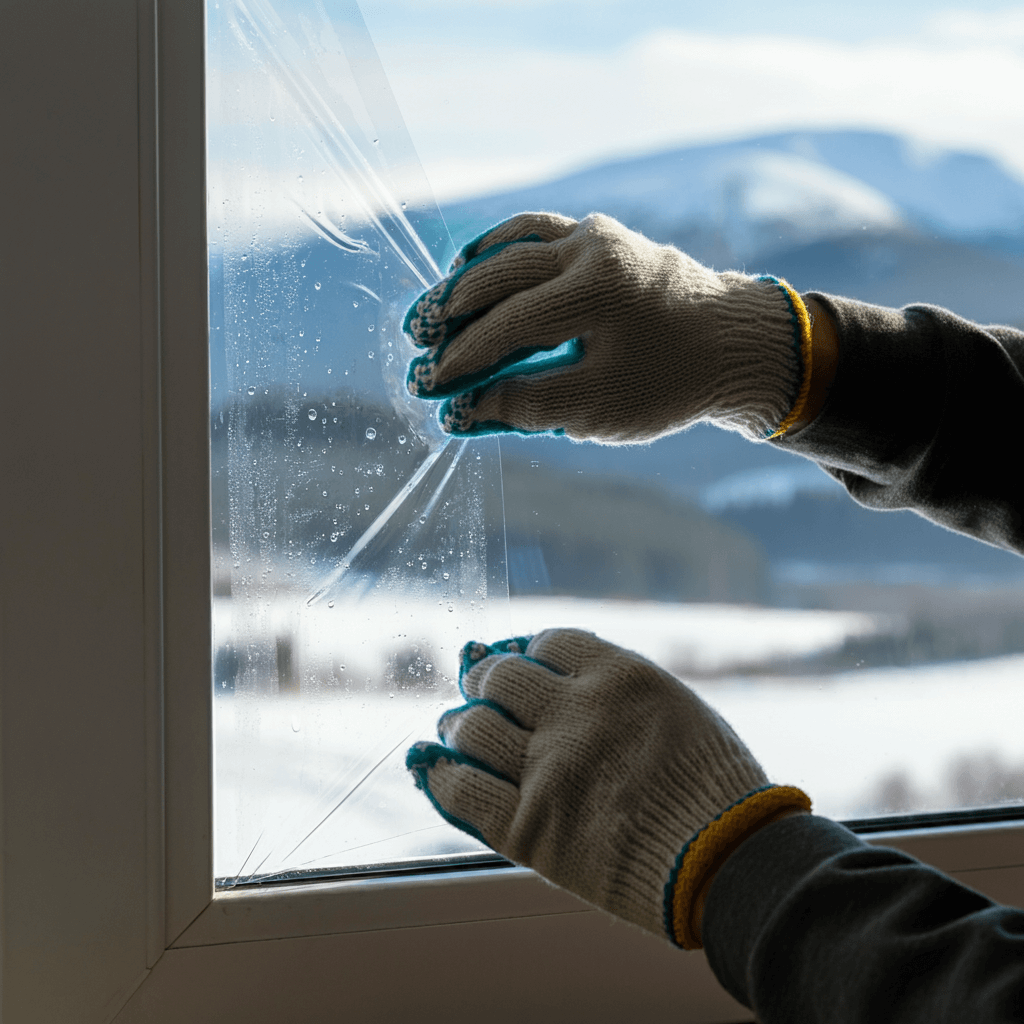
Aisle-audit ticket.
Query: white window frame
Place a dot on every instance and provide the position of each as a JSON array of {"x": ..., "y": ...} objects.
[{"x": 107, "y": 905}]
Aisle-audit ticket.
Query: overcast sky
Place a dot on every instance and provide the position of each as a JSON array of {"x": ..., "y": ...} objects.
[{"x": 503, "y": 92}]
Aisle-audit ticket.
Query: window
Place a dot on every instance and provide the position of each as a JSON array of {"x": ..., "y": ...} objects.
[
  {"x": 348, "y": 565},
  {"x": 106, "y": 893}
]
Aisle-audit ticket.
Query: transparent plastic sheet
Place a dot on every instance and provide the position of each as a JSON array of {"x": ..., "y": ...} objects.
[{"x": 355, "y": 547}]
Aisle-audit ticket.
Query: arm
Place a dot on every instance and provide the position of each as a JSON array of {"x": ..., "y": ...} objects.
[
  {"x": 909, "y": 409},
  {"x": 805, "y": 923},
  {"x": 919, "y": 415}
]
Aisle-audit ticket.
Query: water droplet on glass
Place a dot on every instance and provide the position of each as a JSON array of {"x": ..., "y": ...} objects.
[
  {"x": 423, "y": 519},
  {"x": 355, "y": 305},
  {"x": 370, "y": 433},
  {"x": 266, "y": 534},
  {"x": 446, "y": 575},
  {"x": 334, "y": 537},
  {"x": 369, "y": 355},
  {"x": 252, "y": 391},
  {"x": 324, "y": 494},
  {"x": 401, "y": 438},
  {"x": 405, "y": 206},
  {"x": 451, "y": 607},
  {"x": 302, "y": 334},
  {"x": 330, "y": 604},
  {"x": 312, "y": 414},
  {"x": 370, "y": 328},
  {"x": 317, "y": 286},
  {"x": 296, "y": 724}
]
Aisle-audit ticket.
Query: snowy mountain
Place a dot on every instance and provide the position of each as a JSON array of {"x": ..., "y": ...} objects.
[
  {"x": 863, "y": 214},
  {"x": 763, "y": 194},
  {"x": 957, "y": 195}
]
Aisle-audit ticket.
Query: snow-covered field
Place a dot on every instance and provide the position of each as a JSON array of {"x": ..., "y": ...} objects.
[
  {"x": 709, "y": 638},
  {"x": 838, "y": 737},
  {"x": 317, "y": 779}
]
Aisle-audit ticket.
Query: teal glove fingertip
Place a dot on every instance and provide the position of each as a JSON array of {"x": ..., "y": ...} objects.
[
  {"x": 475, "y": 652},
  {"x": 453, "y": 417},
  {"x": 513, "y": 645},
  {"x": 419, "y": 380},
  {"x": 424, "y": 320},
  {"x": 422, "y": 757},
  {"x": 418, "y": 759},
  {"x": 470, "y": 654}
]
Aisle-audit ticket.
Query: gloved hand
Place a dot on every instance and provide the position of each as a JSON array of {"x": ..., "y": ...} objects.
[
  {"x": 656, "y": 341},
  {"x": 600, "y": 771}
]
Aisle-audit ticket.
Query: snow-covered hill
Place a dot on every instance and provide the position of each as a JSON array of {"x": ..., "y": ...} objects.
[
  {"x": 965, "y": 196},
  {"x": 740, "y": 200}
]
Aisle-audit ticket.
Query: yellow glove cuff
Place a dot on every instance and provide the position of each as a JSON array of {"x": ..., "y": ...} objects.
[
  {"x": 803, "y": 341},
  {"x": 708, "y": 849}
]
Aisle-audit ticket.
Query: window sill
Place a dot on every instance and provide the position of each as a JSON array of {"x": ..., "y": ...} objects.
[{"x": 989, "y": 857}]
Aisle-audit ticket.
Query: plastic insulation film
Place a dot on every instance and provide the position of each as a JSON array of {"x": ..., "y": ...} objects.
[{"x": 355, "y": 547}]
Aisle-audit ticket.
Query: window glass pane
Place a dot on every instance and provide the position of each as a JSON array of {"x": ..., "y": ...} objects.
[
  {"x": 355, "y": 547},
  {"x": 868, "y": 151}
]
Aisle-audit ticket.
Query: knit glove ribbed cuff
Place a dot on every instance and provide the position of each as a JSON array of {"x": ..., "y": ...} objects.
[
  {"x": 546, "y": 324},
  {"x": 597, "y": 769}
]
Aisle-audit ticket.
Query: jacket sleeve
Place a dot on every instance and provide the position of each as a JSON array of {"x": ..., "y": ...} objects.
[
  {"x": 923, "y": 415},
  {"x": 805, "y": 923}
]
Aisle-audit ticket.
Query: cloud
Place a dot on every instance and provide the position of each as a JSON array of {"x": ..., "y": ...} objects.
[
  {"x": 484, "y": 118},
  {"x": 1000, "y": 28}
]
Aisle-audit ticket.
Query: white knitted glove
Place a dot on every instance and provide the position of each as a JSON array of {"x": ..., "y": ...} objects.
[
  {"x": 600, "y": 771},
  {"x": 656, "y": 341}
]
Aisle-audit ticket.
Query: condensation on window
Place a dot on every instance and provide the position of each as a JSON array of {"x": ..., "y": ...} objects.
[{"x": 355, "y": 547}]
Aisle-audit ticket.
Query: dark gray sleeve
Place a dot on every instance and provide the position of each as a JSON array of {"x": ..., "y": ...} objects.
[
  {"x": 923, "y": 415},
  {"x": 806, "y": 924}
]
